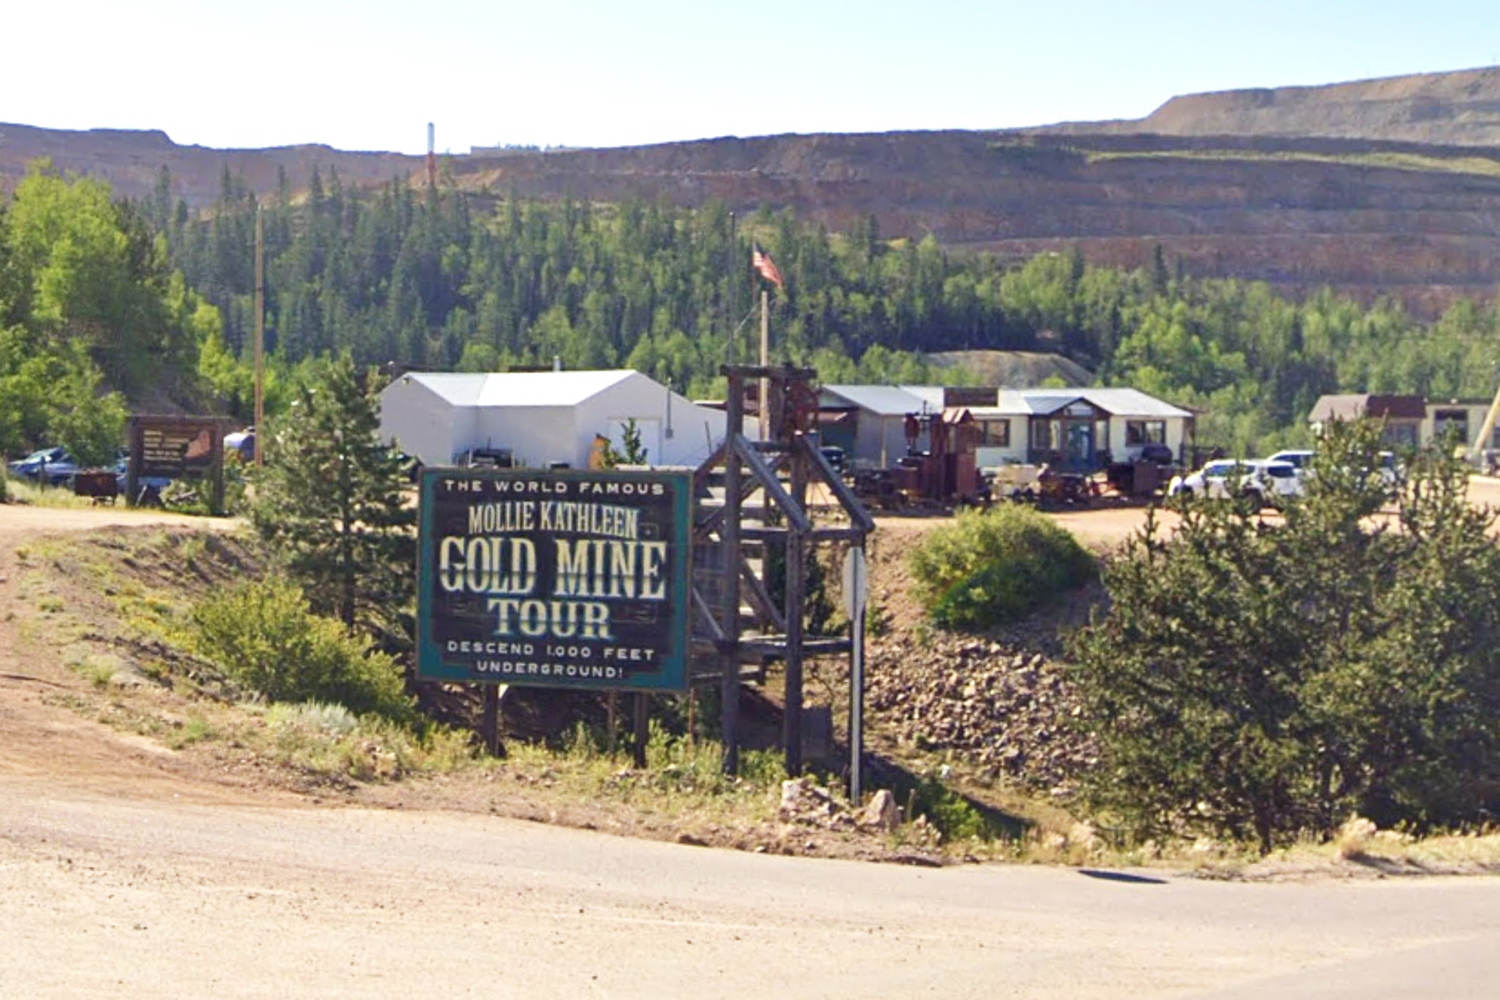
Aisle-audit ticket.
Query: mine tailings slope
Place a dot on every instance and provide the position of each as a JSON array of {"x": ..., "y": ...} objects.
[{"x": 1422, "y": 222}]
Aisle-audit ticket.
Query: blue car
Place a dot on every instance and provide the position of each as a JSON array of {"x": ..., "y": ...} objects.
[{"x": 51, "y": 466}]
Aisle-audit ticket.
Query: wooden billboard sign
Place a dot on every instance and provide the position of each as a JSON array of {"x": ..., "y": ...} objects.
[
  {"x": 176, "y": 448},
  {"x": 554, "y": 578}
]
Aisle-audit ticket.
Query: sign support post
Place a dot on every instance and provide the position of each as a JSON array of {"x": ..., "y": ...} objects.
[
  {"x": 856, "y": 600},
  {"x": 642, "y": 726},
  {"x": 490, "y": 725}
]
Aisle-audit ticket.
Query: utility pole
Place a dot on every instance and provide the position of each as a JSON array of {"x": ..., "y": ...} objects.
[{"x": 260, "y": 335}]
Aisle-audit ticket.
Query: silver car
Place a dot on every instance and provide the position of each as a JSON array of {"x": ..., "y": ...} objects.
[{"x": 1269, "y": 483}]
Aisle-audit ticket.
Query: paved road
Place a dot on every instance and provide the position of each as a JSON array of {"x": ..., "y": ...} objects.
[{"x": 109, "y": 897}]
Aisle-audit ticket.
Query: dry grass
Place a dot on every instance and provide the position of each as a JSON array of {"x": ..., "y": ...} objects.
[{"x": 27, "y": 492}]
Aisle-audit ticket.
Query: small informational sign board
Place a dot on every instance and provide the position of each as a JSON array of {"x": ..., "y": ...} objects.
[
  {"x": 176, "y": 447},
  {"x": 554, "y": 578}
]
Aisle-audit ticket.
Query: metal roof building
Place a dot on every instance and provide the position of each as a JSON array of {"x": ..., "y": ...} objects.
[
  {"x": 543, "y": 418},
  {"x": 1078, "y": 428}
]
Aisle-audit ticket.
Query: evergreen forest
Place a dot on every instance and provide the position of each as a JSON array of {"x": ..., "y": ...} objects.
[{"x": 154, "y": 300}]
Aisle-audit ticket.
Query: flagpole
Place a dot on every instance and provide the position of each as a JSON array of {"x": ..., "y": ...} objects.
[{"x": 765, "y": 362}]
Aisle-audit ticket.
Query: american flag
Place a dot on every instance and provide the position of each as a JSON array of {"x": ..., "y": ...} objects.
[{"x": 762, "y": 262}]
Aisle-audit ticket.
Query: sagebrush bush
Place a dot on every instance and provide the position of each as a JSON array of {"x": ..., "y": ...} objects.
[
  {"x": 996, "y": 566},
  {"x": 264, "y": 638}
]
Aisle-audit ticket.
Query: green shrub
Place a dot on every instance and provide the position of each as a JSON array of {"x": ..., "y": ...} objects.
[
  {"x": 996, "y": 566},
  {"x": 1268, "y": 679},
  {"x": 264, "y": 638}
]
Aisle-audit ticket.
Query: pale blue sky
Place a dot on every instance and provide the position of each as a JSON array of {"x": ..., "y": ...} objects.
[{"x": 370, "y": 75}]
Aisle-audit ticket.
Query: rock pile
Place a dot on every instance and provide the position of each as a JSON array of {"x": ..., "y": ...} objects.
[
  {"x": 806, "y": 802},
  {"x": 1005, "y": 708}
]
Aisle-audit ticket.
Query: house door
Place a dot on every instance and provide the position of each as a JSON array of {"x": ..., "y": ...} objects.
[{"x": 1078, "y": 438}]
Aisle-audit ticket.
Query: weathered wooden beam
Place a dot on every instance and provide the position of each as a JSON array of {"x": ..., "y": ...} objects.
[
  {"x": 776, "y": 645},
  {"x": 706, "y": 615},
  {"x": 763, "y": 472},
  {"x": 761, "y": 534},
  {"x": 796, "y": 599},
  {"x": 706, "y": 469},
  {"x": 759, "y": 597},
  {"x": 710, "y": 522},
  {"x": 841, "y": 491},
  {"x": 729, "y": 538}
]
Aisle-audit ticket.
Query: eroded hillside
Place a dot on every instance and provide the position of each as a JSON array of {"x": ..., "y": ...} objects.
[{"x": 1301, "y": 187}]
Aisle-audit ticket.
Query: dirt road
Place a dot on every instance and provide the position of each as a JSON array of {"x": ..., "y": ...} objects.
[{"x": 18, "y": 519}]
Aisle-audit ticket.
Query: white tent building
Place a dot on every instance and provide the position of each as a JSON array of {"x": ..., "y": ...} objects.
[{"x": 543, "y": 418}]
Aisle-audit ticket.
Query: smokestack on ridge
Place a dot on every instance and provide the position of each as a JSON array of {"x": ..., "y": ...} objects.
[{"x": 431, "y": 156}]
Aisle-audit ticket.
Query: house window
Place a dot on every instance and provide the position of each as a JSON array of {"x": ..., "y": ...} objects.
[
  {"x": 1401, "y": 434},
  {"x": 1445, "y": 422},
  {"x": 1138, "y": 432},
  {"x": 995, "y": 434}
]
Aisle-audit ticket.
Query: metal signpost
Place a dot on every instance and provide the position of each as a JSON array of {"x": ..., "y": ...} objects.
[
  {"x": 555, "y": 578},
  {"x": 856, "y": 598}
]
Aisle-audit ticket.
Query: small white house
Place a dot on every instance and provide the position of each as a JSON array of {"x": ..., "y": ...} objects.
[
  {"x": 1077, "y": 428},
  {"x": 543, "y": 418}
]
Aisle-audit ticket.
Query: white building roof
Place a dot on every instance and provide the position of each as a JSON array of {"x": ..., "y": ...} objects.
[
  {"x": 1116, "y": 402},
  {"x": 883, "y": 400},
  {"x": 518, "y": 388},
  {"x": 932, "y": 395}
]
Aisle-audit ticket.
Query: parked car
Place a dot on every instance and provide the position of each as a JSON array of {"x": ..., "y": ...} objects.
[
  {"x": 1269, "y": 483},
  {"x": 1300, "y": 458},
  {"x": 240, "y": 444},
  {"x": 1282, "y": 481},
  {"x": 836, "y": 458},
  {"x": 51, "y": 466},
  {"x": 1388, "y": 467}
]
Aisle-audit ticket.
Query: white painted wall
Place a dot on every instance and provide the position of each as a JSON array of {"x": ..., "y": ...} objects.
[
  {"x": 675, "y": 430},
  {"x": 422, "y": 423},
  {"x": 536, "y": 435},
  {"x": 1176, "y": 431},
  {"x": 990, "y": 455},
  {"x": 1427, "y": 432}
]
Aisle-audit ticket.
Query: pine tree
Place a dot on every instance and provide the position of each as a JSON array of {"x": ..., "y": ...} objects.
[{"x": 329, "y": 501}]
